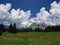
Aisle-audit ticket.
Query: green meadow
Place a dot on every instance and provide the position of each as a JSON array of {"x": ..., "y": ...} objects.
[{"x": 30, "y": 38}]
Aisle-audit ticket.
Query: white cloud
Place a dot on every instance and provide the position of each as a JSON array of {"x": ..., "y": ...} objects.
[
  {"x": 25, "y": 24},
  {"x": 6, "y": 23},
  {"x": 16, "y": 15},
  {"x": 4, "y": 10},
  {"x": 42, "y": 16},
  {"x": 49, "y": 18},
  {"x": 55, "y": 13}
]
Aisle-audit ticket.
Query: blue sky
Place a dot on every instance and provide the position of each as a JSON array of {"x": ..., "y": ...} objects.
[
  {"x": 33, "y": 5},
  {"x": 26, "y": 12}
]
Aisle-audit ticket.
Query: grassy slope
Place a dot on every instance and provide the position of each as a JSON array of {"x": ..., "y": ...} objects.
[{"x": 31, "y": 38}]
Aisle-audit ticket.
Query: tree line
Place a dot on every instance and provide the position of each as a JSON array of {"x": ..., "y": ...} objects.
[{"x": 13, "y": 29}]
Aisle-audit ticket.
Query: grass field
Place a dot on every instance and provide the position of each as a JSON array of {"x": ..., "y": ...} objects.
[{"x": 30, "y": 38}]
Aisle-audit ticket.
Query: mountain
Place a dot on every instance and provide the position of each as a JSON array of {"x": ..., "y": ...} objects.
[{"x": 40, "y": 25}]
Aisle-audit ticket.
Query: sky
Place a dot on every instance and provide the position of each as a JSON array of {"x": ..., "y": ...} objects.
[
  {"x": 26, "y": 12},
  {"x": 33, "y": 5}
]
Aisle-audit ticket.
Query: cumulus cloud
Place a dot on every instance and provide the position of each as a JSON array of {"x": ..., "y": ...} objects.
[
  {"x": 49, "y": 18},
  {"x": 19, "y": 15},
  {"x": 43, "y": 16},
  {"x": 55, "y": 13},
  {"x": 4, "y": 10},
  {"x": 15, "y": 15}
]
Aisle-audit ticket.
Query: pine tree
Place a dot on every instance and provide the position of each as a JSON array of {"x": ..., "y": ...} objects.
[
  {"x": 10, "y": 28},
  {"x": 3, "y": 30},
  {"x": 14, "y": 29},
  {"x": 0, "y": 29}
]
